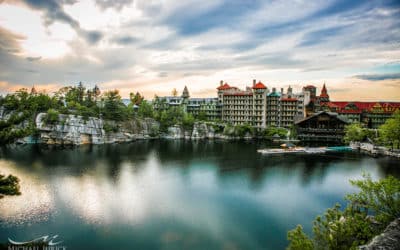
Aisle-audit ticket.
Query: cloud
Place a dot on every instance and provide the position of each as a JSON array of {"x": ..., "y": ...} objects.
[
  {"x": 155, "y": 46},
  {"x": 32, "y": 59},
  {"x": 9, "y": 41},
  {"x": 379, "y": 77},
  {"x": 116, "y": 4},
  {"x": 124, "y": 40},
  {"x": 54, "y": 11}
]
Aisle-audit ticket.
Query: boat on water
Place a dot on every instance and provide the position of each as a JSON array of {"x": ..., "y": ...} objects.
[
  {"x": 306, "y": 150},
  {"x": 280, "y": 150},
  {"x": 292, "y": 150},
  {"x": 340, "y": 149}
]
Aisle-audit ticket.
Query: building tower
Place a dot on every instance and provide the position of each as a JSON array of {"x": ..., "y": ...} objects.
[
  {"x": 324, "y": 97},
  {"x": 185, "y": 93},
  {"x": 260, "y": 92}
]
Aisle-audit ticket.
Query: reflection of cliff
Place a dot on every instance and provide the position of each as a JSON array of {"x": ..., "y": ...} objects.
[{"x": 229, "y": 157}]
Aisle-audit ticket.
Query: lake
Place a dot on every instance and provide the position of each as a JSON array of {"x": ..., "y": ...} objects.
[{"x": 174, "y": 194}]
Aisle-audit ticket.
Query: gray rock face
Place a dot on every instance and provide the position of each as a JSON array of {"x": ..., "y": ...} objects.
[
  {"x": 74, "y": 130},
  {"x": 175, "y": 132},
  {"x": 388, "y": 240},
  {"x": 71, "y": 130},
  {"x": 202, "y": 131}
]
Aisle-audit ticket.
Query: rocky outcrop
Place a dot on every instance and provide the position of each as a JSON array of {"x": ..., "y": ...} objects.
[
  {"x": 71, "y": 130},
  {"x": 388, "y": 240},
  {"x": 75, "y": 130}
]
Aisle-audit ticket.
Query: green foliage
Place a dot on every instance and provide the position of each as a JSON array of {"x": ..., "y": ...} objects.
[
  {"x": 9, "y": 185},
  {"x": 218, "y": 128},
  {"x": 271, "y": 131},
  {"x": 299, "y": 240},
  {"x": 145, "y": 109},
  {"x": 351, "y": 227},
  {"x": 114, "y": 109},
  {"x": 187, "y": 121},
  {"x": 382, "y": 197},
  {"x": 110, "y": 127},
  {"x": 52, "y": 117},
  {"x": 170, "y": 117},
  {"x": 390, "y": 130},
  {"x": 202, "y": 116},
  {"x": 244, "y": 130},
  {"x": 354, "y": 132}
]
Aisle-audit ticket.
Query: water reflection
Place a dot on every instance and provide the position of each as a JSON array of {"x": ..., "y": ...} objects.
[{"x": 174, "y": 194}]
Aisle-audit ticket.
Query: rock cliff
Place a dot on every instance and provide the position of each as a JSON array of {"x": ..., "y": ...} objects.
[
  {"x": 75, "y": 130},
  {"x": 388, "y": 240}
]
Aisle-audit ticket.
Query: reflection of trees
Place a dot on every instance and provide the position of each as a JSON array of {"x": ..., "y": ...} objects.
[{"x": 229, "y": 157}]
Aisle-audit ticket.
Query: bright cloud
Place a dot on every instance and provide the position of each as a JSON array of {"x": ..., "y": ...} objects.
[{"x": 155, "y": 46}]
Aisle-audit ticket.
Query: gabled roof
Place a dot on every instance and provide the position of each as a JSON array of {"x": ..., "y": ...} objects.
[
  {"x": 224, "y": 87},
  {"x": 332, "y": 114},
  {"x": 259, "y": 85}
]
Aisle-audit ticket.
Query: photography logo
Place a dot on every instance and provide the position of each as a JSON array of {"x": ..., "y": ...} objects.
[{"x": 42, "y": 243}]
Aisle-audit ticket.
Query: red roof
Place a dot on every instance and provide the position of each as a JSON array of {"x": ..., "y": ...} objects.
[
  {"x": 365, "y": 106},
  {"x": 224, "y": 87},
  {"x": 259, "y": 85},
  {"x": 238, "y": 94},
  {"x": 289, "y": 100}
]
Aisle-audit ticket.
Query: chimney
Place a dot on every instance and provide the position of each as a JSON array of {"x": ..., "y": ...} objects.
[
  {"x": 221, "y": 83},
  {"x": 282, "y": 91},
  {"x": 254, "y": 82},
  {"x": 273, "y": 90}
]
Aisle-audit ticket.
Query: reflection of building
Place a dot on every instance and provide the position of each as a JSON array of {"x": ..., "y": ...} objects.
[{"x": 322, "y": 126}]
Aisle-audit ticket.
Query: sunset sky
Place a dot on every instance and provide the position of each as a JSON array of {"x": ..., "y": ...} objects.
[{"x": 154, "y": 46}]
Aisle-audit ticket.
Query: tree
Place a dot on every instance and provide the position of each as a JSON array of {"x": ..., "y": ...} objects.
[
  {"x": 145, "y": 110},
  {"x": 136, "y": 99},
  {"x": 187, "y": 121},
  {"x": 51, "y": 117},
  {"x": 353, "y": 226},
  {"x": 9, "y": 185},
  {"x": 174, "y": 92},
  {"x": 354, "y": 132},
  {"x": 202, "y": 116},
  {"x": 390, "y": 130},
  {"x": 114, "y": 109}
]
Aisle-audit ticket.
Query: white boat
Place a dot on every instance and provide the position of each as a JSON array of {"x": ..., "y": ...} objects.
[
  {"x": 293, "y": 150},
  {"x": 281, "y": 150}
]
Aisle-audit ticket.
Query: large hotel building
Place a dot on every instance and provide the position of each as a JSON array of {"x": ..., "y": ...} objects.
[{"x": 261, "y": 107}]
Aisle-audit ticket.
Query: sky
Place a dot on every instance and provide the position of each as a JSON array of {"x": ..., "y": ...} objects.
[{"x": 155, "y": 46}]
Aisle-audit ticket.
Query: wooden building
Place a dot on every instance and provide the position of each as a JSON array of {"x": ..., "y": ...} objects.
[{"x": 321, "y": 127}]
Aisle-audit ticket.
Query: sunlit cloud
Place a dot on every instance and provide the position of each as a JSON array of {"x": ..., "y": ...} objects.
[{"x": 155, "y": 46}]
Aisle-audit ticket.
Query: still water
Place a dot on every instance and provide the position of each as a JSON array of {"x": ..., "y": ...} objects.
[{"x": 173, "y": 194}]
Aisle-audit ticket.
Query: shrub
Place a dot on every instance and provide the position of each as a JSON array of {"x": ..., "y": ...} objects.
[
  {"x": 353, "y": 226},
  {"x": 51, "y": 117}
]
